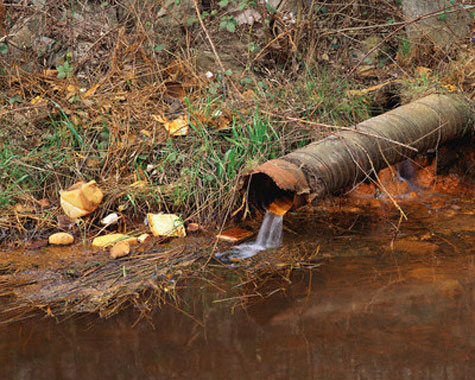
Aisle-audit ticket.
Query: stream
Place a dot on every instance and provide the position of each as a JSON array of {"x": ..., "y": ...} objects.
[{"x": 391, "y": 301}]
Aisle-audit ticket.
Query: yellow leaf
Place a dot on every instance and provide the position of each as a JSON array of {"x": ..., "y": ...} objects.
[
  {"x": 450, "y": 87},
  {"x": 91, "y": 91},
  {"x": 37, "y": 100},
  {"x": 146, "y": 133},
  {"x": 175, "y": 127},
  {"x": 72, "y": 89}
]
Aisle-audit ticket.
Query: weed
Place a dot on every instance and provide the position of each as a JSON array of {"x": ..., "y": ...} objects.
[
  {"x": 65, "y": 70},
  {"x": 405, "y": 46}
]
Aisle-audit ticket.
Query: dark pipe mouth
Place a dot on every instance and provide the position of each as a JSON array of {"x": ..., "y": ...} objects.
[
  {"x": 276, "y": 180},
  {"x": 262, "y": 191}
]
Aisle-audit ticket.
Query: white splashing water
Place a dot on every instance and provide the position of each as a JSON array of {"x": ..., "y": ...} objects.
[{"x": 269, "y": 236}]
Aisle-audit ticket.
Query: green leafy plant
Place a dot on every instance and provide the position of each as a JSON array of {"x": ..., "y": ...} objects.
[
  {"x": 65, "y": 70},
  {"x": 228, "y": 23}
]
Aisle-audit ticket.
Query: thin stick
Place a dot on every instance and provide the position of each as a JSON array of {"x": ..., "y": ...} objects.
[{"x": 218, "y": 60}]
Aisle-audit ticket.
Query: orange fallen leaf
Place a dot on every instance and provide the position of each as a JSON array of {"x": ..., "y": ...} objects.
[
  {"x": 450, "y": 87},
  {"x": 175, "y": 127}
]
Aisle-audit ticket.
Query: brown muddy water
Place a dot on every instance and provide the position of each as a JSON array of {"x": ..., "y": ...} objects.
[{"x": 389, "y": 302}]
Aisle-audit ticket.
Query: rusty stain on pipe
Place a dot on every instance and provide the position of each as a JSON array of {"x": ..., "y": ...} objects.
[{"x": 345, "y": 158}]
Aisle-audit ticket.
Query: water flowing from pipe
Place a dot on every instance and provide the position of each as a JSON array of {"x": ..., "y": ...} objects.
[{"x": 269, "y": 236}]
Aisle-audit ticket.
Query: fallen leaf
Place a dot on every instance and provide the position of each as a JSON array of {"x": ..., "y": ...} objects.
[
  {"x": 38, "y": 100},
  {"x": 175, "y": 127},
  {"x": 421, "y": 70},
  {"x": 175, "y": 90},
  {"x": 91, "y": 91},
  {"x": 450, "y": 87}
]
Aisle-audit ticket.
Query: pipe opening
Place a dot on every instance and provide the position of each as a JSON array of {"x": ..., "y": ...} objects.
[{"x": 264, "y": 193}]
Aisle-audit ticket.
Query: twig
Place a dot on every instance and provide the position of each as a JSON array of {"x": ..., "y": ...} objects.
[
  {"x": 215, "y": 52},
  {"x": 276, "y": 39}
]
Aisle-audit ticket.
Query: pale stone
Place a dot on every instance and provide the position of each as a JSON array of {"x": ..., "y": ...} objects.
[
  {"x": 142, "y": 238},
  {"x": 81, "y": 199},
  {"x": 61, "y": 238},
  {"x": 166, "y": 225},
  {"x": 120, "y": 249},
  {"x": 111, "y": 239},
  {"x": 110, "y": 219}
]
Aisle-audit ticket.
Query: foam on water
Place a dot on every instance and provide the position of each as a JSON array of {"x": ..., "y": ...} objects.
[{"x": 269, "y": 236}]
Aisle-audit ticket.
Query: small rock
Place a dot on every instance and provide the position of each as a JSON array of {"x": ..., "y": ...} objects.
[
  {"x": 81, "y": 199},
  {"x": 142, "y": 238},
  {"x": 166, "y": 225},
  {"x": 61, "y": 238},
  {"x": 111, "y": 239},
  {"x": 110, "y": 219},
  {"x": 193, "y": 227},
  {"x": 120, "y": 249}
]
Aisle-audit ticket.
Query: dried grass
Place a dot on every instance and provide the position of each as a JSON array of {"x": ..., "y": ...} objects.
[{"x": 62, "y": 284}]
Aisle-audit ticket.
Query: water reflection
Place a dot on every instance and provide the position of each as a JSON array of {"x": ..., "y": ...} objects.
[{"x": 355, "y": 319}]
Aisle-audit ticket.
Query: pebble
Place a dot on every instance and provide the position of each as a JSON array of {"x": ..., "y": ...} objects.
[
  {"x": 61, "y": 238},
  {"x": 120, "y": 249}
]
